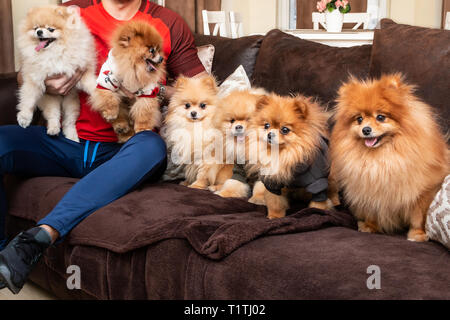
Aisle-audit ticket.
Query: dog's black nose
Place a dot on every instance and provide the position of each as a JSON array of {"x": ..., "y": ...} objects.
[
  {"x": 270, "y": 135},
  {"x": 193, "y": 114},
  {"x": 239, "y": 128},
  {"x": 367, "y": 130},
  {"x": 40, "y": 33}
]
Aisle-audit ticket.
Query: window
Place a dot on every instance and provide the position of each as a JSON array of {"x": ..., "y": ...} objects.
[{"x": 296, "y": 14}]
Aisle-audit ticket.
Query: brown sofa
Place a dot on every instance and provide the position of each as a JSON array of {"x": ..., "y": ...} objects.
[{"x": 165, "y": 241}]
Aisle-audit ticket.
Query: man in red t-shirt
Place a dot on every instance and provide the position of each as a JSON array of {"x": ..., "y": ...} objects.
[{"x": 107, "y": 170}]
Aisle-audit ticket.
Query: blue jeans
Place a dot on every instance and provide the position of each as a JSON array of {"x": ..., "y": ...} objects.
[{"x": 107, "y": 171}]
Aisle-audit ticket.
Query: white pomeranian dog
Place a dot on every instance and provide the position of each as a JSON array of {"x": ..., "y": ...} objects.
[{"x": 54, "y": 40}]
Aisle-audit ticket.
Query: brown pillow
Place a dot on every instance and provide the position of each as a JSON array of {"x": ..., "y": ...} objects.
[
  {"x": 287, "y": 64},
  {"x": 422, "y": 55},
  {"x": 231, "y": 53}
]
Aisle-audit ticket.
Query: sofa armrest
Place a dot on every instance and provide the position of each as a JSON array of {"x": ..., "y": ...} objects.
[{"x": 8, "y": 99}]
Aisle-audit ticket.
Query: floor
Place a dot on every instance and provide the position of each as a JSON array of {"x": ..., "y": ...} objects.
[{"x": 29, "y": 292}]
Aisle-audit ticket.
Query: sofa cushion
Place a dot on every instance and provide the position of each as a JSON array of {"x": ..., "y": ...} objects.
[
  {"x": 289, "y": 65},
  {"x": 8, "y": 99},
  {"x": 422, "y": 55},
  {"x": 231, "y": 53}
]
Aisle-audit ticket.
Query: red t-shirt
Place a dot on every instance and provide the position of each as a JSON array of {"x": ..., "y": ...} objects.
[{"x": 179, "y": 49}]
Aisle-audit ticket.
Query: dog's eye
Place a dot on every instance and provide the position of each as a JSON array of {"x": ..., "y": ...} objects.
[
  {"x": 232, "y": 120},
  {"x": 359, "y": 119},
  {"x": 285, "y": 130},
  {"x": 51, "y": 29},
  {"x": 202, "y": 105},
  {"x": 187, "y": 105},
  {"x": 267, "y": 126},
  {"x": 152, "y": 50},
  {"x": 381, "y": 118}
]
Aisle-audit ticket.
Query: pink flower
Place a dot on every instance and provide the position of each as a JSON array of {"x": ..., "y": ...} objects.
[
  {"x": 338, "y": 4},
  {"x": 322, "y": 5},
  {"x": 345, "y": 3}
]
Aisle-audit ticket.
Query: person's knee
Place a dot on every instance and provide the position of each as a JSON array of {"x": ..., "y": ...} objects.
[{"x": 150, "y": 146}]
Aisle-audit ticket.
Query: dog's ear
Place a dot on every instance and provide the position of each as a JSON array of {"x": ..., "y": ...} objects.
[
  {"x": 262, "y": 102},
  {"x": 61, "y": 11},
  {"x": 301, "y": 107},
  {"x": 181, "y": 81},
  {"x": 210, "y": 82},
  {"x": 74, "y": 16},
  {"x": 124, "y": 40}
]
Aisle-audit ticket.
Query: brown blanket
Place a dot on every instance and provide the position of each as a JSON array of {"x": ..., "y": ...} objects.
[{"x": 213, "y": 226}]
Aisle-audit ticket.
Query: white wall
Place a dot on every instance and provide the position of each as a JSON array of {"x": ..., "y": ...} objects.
[
  {"x": 260, "y": 16},
  {"x": 417, "y": 12}
]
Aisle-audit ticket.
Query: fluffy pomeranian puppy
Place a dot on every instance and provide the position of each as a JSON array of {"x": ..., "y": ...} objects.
[
  {"x": 236, "y": 111},
  {"x": 54, "y": 40},
  {"x": 190, "y": 134},
  {"x": 292, "y": 151},
  {"x": 389, "y": 158},
  {"x": 126, "y": 95}
]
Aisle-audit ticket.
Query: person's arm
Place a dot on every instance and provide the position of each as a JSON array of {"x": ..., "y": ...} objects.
[{"x": 58, "y": 85}]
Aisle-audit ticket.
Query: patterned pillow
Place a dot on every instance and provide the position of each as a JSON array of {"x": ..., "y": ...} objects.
[
  {"x": 206, "y": 55},
  {"x": 438, "y": 218}
]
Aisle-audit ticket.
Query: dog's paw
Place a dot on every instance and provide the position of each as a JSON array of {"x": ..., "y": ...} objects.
[
  {"x": 71, "y": 134},
  {"x": 110, "y": 114},
  {"x": 366, "y": 227},
  {"x": 53, "y": 130},
  {"x": 213, "y": 188},
  {"x": 197, "y": 186},
  {"x": 24, "y": 118},
  {"x": 417, "y": 235},
  {"x": 257, "y": 200},
  {"x": 324, "y": 205},
  {"x": 122, "y": 127}
]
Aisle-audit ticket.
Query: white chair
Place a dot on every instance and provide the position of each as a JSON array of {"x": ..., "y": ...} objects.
[
  {"x": 361, "y": 18},
  {"x": 447, "y": 21},
  {"x": 219, "y": 18},
  {"x": 236, "y": 24}
]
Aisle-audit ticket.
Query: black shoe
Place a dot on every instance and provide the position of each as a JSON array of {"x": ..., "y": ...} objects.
[{"x": 21, "y": 255}]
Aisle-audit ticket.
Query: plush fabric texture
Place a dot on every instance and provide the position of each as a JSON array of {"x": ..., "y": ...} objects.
[
  {"x": 289, "y": 65},
  {"x": 438, "y": 218},
  {"x": 422, "y": 55},
  {"x": 231, "y": 53},
  {"x": 213, "y": 226},
  {"x": 206, "y": 56}
]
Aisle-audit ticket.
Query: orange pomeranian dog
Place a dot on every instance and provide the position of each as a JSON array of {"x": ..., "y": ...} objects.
[
  {"x": 126, "y": 95},
  {"x": 195, "y": 146},
  {"x": 388, "y": 156},
  {"x": 296, "y": 158},
  {"x": 236, "y": 112}
]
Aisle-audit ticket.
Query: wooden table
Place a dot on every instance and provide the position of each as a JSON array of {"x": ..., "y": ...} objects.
[{"x": 346, "y": 38}]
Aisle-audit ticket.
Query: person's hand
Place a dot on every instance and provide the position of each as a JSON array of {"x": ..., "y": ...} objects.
[{"x": 60, "y": 85}]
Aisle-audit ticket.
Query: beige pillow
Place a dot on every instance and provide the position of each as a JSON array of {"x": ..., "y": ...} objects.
[
  {"x": 237, "y": 81},
  {"x": 438, "y": 218},
  {"x": 206, "y": 56}
]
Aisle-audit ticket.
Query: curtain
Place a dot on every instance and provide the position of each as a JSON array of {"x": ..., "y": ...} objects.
[
  {"x": 6, "y": 38},
  {"x": 445, "y": 9},
  {"x": 305, "y": 8},
  {"x": 191, "y": 11}
]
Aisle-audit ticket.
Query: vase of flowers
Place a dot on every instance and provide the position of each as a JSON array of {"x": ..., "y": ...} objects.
[{"x": 334, "y": 13}]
